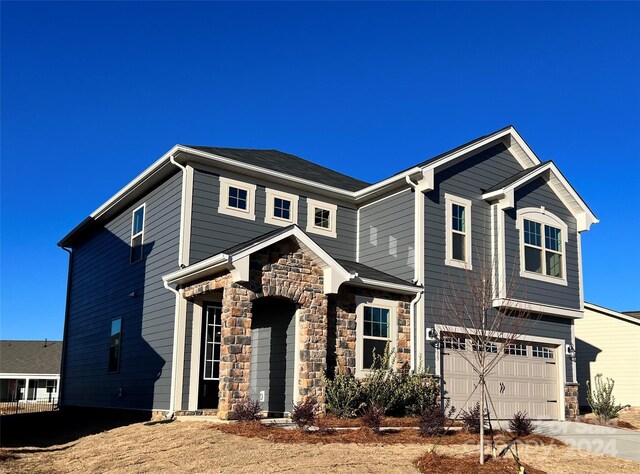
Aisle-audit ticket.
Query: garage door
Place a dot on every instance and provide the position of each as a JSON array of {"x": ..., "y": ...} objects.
[{"x": 526, "y": 379}]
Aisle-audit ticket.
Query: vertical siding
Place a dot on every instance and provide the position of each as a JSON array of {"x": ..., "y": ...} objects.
[
  {"x": 535, "y": 194},
  {"x": 212, "y": 232},
  {"x": 387, "y": 235},
  {"x": 102, "y": 283}
]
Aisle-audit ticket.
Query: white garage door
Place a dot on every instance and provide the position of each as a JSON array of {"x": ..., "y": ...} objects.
[{"x": 526, "y": 379}]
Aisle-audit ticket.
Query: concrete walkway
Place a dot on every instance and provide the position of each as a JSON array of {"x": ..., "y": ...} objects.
[{"x": 596, "y": 439}]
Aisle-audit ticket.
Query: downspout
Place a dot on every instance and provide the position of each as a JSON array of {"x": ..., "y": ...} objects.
[
  {"x": 417, "y": 270},
  {"x": 174, "y": 365},
  {"x": 183, "y": 261},
  {"x": 66, "y": 325}
]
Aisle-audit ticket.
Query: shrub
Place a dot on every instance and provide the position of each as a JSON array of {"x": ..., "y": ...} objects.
[
  {"x": 248, "y": 410},
  {"x": 601, "y": 400},
  {"x": 304, "y": 413},
  {"x": 373, "y": 417},
  {"x": 343, "y": 393},
  {"x": 471, "y": 418},
  {"x": 433, "y": 419},
  {"x": 521, "y": 424}
]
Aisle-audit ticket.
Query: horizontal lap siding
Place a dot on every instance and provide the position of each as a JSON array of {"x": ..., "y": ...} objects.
[
  {"x": 535, "y": 194},
  {"x": 212, "y": 232},
  {"x": 102, "y": 281},
  {"x": 387, "y": 235},
  {"x": 467, "y": 179}
]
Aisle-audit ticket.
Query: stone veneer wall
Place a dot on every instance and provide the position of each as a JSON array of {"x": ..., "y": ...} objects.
[
  {"x": 279, "y": 270},
  {"x": 343, "y": 306},
  {"x": 571, "y": 408}
]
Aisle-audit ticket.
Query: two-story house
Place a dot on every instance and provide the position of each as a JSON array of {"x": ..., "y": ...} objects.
[{"x": 222, "y": 273}]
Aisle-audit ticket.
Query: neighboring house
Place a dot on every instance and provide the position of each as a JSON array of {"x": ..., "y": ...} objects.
[
  {"x": 30, "y": 370},
  {"x": 222, "y": 273},
  {"x": 607, "y": 343}
]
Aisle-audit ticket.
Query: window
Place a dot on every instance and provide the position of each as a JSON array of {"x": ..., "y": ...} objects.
[
  {"x": 375, "y": 329},
  {"x": 542, "y": 237},
  {"x": 237, "y": 199},
  {"x": 52, "y": 386},
  {"x": 282, "y": 208},
  {"x": 454, "y": 342},
  {"x": 488, "y": 347},
  {"x": 137, "y": 235},
  {"x": 543, "y": 352},
  {"x": 458, "y": 237},
  {"x": 114, "y": 345},
  {"x": 321, "y": 218},
  {"x": 516, "y": 349}
]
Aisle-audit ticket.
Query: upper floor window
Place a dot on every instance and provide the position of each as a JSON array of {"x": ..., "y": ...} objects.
[
  {"x": 375, "y": 330},
  {"x": 137, "y": 234},
  {"x": 114, "y": 345},
  {"x": 458, "y": 232},
  {"x": 542, "y": 254},
  {"x": 282, "y": 208},
  {"x": 321, "y": 218},
  {"x": 237, "y": 198}
]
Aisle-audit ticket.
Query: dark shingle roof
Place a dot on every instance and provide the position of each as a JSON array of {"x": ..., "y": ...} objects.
[
  {"x": 515, "y": 177},
  {"x": 633, "y": 314},
  {"x": 289, "y": 164},
  {"x": 30, "y": 357},
  {"x": 370, "y": 273}
]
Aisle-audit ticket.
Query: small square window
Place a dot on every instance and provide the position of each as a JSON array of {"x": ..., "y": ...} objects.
[
  {"x": 282, "y": 208},
  {"x": 237, "y": 198},
  {"x": 321, "y": 218}
]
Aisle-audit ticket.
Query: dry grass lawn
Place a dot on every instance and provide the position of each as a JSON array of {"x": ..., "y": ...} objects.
[{"x": 196, "y": 447}]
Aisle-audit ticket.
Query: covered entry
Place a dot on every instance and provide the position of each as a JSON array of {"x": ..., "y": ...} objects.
[
  {"x": 526, "y": 379},
  {"x": 273, "y": 334}
]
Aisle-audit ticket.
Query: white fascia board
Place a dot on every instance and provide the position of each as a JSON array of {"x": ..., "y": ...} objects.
[
  {"x": 538, "y": 308},
  {"x": 140, "y": 179},
  {"x": 392, "y": 182},
  {"x": 498, "y": 193},
  {"x": 583, "y": 215},
  {"x": 200, "y": 269},
  {"x": 17, "y": 375},
  {"x": 377, "y": 284},
  {"x": 610, "y": 312}
]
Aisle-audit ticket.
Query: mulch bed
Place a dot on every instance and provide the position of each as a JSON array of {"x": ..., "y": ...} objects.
[
  {"x": 331, "y": 421},
  {"x": 327, "y": 435},
  {"x": 438, "y": 463},
  {"x": 615, "y": 423}
]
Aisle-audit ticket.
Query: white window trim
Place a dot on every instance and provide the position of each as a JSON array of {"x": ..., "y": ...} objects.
[
  {"x": 361, "y": 303},
  {"x": 141, "y": 233},
  {"x": 269, "y": 218},
  {"x": 223, "y": 207},
  {"x": 312, "y": 205},
  {"x": 544, "y": 217},
  {"x": 449, "y": 200}
]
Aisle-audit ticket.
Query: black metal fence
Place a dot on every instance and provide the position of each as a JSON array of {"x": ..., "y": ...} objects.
[{"x": 28, "y": 406}]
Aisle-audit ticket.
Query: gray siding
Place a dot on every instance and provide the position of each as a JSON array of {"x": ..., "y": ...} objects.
[
  {"x": 212, "y": 232},
  {"x": 535, "y": 194},
  {"x": 186, "y": 379},
  {"x": 101, "y": 284},
  {"x": 387, "y": 235}
]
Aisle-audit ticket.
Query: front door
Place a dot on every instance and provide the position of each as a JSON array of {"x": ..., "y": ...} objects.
[{"x": 210, "y": 356}]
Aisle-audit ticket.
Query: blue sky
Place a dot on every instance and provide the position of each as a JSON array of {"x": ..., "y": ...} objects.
[{"x": 92, "y": 93}]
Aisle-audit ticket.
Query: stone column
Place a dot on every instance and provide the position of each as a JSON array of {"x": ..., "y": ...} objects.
[{"x": 571, "y": 407}]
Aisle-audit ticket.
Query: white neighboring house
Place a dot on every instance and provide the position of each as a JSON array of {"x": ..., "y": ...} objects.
[
  {"x": 30, "y": 370},
  {"x": 607, "y": 343}
]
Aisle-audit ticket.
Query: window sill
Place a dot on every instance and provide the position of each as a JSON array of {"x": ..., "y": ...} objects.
[
  {"x": 321, "y": 231},
  {"x": 278, "y": 221},
  {"x": 458, "y": 264},
  {"x": 236, "y": 213},
  {"x": 545, "y": 278}
]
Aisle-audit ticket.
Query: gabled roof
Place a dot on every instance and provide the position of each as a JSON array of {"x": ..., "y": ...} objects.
[
  {"x": 30, "y": 357},
  {"x": 336, "y": 272},
  {"x": 631, "y": 316},
  {"x": 286, "y": 163},
  {"x": 558, "y": 183}
]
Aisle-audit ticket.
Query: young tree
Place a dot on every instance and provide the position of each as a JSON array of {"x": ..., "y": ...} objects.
[{"x": 469, "y": 308}]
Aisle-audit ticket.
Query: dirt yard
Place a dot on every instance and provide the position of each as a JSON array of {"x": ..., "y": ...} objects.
[{"x": 197, "y": 447}]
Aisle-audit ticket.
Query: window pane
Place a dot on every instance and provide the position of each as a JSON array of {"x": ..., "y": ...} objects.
[
  {"x": 554, "y": 264},
  {"x": 458, "y": 246},
  {"x": 368, "y": 347},
  {"x": 281, "y": 208},
  {"x": 237, "y": 198},
  {"x": 552, "y": 238},
  {"x": 114, "y": 345},
  {"x": 532, "y": 260},
  {"x": 321, "y": 218},
  {"x": 375, "y": 322},
  {"x": 458, "y": 218},
  {"x": 532, "y": 234},
  {"x": 138, "y": 220}
]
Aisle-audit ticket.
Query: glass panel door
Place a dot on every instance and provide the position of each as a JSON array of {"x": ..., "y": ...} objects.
[{"x": 211, "y": 365}]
